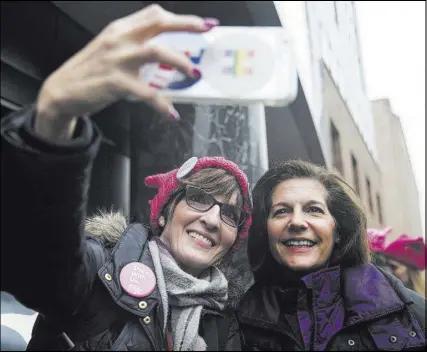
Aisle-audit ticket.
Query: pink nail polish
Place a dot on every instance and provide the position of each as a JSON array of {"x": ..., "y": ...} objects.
[
  {"x": 196, "y": 73},
  {"x": 174, "y": 114},
  {"x": 211, "y": 22}
]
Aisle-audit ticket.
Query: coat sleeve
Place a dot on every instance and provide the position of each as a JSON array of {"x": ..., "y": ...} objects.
[{"x": 46, "y": 262}]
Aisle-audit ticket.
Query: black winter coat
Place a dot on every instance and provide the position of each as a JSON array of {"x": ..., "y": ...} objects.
[
  {"x": 52, "y": 266},
  {"x": 359, "y": 309}
]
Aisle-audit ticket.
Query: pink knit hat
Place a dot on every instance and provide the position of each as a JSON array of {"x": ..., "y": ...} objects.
[
  {"x": 409, "y": 251},
  {"x": 377, "y": 238},
  {"x": 168, "y": 182}
]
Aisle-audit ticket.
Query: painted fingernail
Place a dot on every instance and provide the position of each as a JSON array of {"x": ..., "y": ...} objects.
[
  {"x": 196, "y": 73},
  {"x": 211, "y": 22},
  {"x": 174, "y": 114}
]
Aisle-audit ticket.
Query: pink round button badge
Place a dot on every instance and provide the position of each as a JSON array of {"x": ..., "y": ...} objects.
[{"x": 137, "y": 280}]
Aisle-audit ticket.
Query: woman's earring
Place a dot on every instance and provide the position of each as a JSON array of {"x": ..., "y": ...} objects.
[
  {"x": 162, "y": 221},
  {"x": 337, "y": 239}
]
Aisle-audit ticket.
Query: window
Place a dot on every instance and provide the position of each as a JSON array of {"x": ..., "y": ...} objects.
[
  {"x": 336, "y": 149},
  {"x": 380, "y": 212},
  {"x": 368, "y": 188},
  {"x": 355, "y": 168}
]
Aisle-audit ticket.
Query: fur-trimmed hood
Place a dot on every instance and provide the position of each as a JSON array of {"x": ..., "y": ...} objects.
[{"x": 109, "y": 227}]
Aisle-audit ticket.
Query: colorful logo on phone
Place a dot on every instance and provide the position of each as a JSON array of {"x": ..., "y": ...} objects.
[{"x": 240, "y": 64}]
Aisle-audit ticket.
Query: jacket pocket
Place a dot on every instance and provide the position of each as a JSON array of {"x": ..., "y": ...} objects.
[
  {"x": 352, "y": 340},
  {"x": 389, "y": 334}
]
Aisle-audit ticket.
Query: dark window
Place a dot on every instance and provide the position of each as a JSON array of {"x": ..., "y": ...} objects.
[
  {"x": 355, "y": 168},
  {"x": 368, "y": 188},
  {"x": 336, "y": 149},
  {"x": 380, "y": 212}
]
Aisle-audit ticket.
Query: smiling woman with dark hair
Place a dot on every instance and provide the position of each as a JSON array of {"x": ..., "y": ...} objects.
[{"x": 315, "y": 288}]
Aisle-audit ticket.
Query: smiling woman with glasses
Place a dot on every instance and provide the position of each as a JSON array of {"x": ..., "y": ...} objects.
[
  {"x": 205, "y": 212},
  {"x": 101, "y": 284}
]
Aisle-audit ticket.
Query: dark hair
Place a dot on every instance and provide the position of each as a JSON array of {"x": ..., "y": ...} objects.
[
  {"x": 342, "y": 201},
  {"x": 215, "y": 181}
]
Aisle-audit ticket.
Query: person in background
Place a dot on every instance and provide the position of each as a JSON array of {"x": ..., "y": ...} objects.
[
  {"x": 315, "y": 288},
  {"x": 377, "y": 242},
  {"x": 103, "y": 284},
  {"x": 406, "y": 259}
]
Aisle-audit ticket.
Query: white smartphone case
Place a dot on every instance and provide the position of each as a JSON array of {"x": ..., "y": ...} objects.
[{"x": 239, "y": 65}]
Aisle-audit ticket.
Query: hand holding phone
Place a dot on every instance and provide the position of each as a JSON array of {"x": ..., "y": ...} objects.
[{"x": 239, "y": 65}]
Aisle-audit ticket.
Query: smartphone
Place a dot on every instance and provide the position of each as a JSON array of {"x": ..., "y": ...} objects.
[{"x": 239, "y": 65}]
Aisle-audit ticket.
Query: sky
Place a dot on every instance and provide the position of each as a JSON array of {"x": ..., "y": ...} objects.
[{"x": 392, "y": 39}]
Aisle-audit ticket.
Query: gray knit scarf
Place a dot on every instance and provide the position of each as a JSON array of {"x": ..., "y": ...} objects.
[{"x": 186, "y": 296}]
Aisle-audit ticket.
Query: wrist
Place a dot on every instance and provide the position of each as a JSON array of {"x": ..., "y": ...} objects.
[{"x": 49, "y": 123}]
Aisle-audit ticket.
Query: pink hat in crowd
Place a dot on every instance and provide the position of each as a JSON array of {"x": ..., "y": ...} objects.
[
  {"x": 377, "y": 238},
  {"x": 408, "y": 250},
  {"x": 168, "y": 182}
]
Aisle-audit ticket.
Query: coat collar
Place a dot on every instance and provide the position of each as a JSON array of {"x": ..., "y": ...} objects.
[
  {"x": 366, "y": 291},
  {"x": 131, "y": 248}
]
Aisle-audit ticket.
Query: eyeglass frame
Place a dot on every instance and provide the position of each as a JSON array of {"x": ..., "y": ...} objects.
[{"x": 242, "y": 215}]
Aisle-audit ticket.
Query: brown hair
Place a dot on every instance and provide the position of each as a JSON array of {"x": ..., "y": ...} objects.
[
  {"x": 417, "y": 279},
  {"x": 342, "y": 202}
]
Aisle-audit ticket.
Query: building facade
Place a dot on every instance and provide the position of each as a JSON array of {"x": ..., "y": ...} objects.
[
  {"x": 349, "y": 154},
  {"x": 400, "y": 193},
  {"x": 325, "y": 33},
  {"x": 363, "y": 142},
  {"x": 331, "y": 70}
]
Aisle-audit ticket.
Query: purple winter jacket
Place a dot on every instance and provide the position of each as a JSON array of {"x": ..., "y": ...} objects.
[{"x": 362, "y": 308}]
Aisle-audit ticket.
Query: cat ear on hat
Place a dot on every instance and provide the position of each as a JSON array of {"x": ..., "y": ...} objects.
[
  {"x": 152, "y": 181},
  {"x": 387, "y": 231},
  {"x": 158, "y": 180}
]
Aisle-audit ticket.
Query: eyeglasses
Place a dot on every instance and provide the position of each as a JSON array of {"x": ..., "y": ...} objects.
[{"x": 200, "y": 200}]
